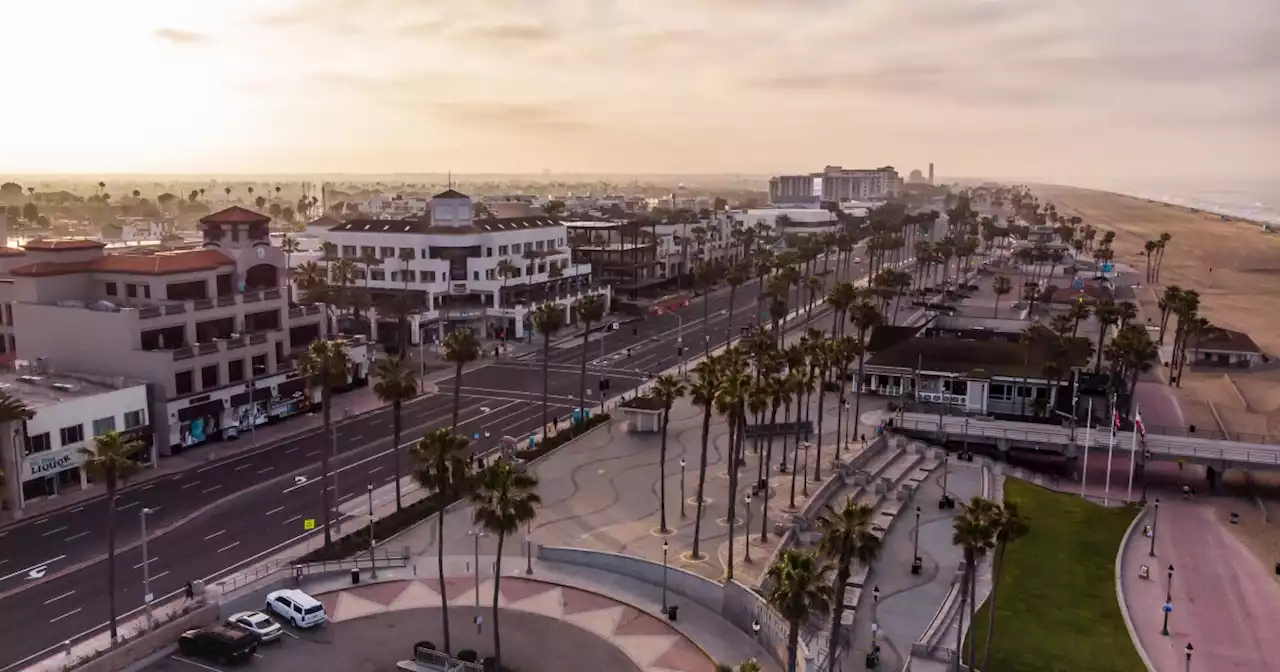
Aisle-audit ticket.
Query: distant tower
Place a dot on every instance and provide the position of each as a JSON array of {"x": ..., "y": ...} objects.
[{"x": 931, "y": 173}]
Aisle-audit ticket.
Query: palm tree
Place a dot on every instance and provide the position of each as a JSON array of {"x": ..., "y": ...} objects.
[
  {"x": 706, "y": 276},
  {"x": 846, "y": 538},
  {"x": 1107, "y": 316},
  {"x": 731, "y": 399},
  {"x": 111, "y": 462},
  {"x": 548, "y": 319},
  {"x": 1008, "y": 526},
  {"x": 799, "y": 589},
  {"x": 840, "y": 298},
  {"x": 461, "y": 348},
  {"x": 1078, "y": 313},
  {"x": 369, "y": 258},
  {"x": 865, "y": 318},
  {"x": 973, "y": 533},
  {"x": 290, "y": 246},
  {"x": 1001, "y": 286},
  {"x": 589, "y": 310},
  {"x": 506, "y": 269},
  {"x": 745, "y": 666},
  {"x": 666, "y": 389},
  {"x": 504, "y": 502},
  {"x": 1149, "y": 252},
  {"x": 325, "y": 364},
  {"x": 440, "y": 467},
  {"x": 12, "y": 410},
  {"x": 396, "y": 384},
  {"x": 823, "y": 356},
  {"x": 735, "y": 277},
  {"x": 703, "y": 392}
]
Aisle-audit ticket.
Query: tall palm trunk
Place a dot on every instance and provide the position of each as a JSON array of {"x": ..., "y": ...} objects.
[
  {"x": 735, "y": 435},
  {"x": 457, "y": 399},
  {"x": 497, "y": 579},
  {"x": 965, "y": 578},
  {"x": 857, "y": 399},
  {"x": 326, "y": 402},
  {"x": 546, "y": 356},
  {"x": 764, "y": 464},
  {"x": 973, "y": 607},
  {"x": 843, "y": 571},
  {"x": 442, "y": 500},
  {"x": 706, "y": 319},
  {"x": 582, "y": 380},
  {"x": 111, "y": 552},
  {"x": 817, "y": 455},
  {"x": 997, "y": 565},
  {"x": 795, "y": 451},
  {"x": 728, "y": 331},
  {"x": 702, "y": 480},
  {"x": 662, "y": 475},
  {"x": 793, "y": 646},
  {"x": 395, "y": 446}
]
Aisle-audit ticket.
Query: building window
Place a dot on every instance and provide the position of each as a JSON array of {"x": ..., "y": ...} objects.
[
  {"x": 489, "y": 274},
  {"x": 146, "y": 291},
  {"x": 136, "y": 418},
  {"x": 71, "y": 435},
  {"x": 528, "y": 247},
  {"x": 488, "y": 251},
  {"x": 259, "y": 365},
  {"x": 406, "y": 252},
  {"x": 131, "y": 291},
  {"x": 349, "y": 251},
  {"x": 366, "y": 251},
  {"x": 377, "y": 274},
  {"x": 1000, "y": 392},
  {"x": 539, "y": 245},
  {"x": 502, "y": 250},
  {"x": 183, "y": 383},
  {"x": 111, "y": 289},
  {"x": 475, "y": 275},
  {"x": 235, "y": 370},
  {"x": 103, "y": 425},
  {"x": 426, "y": 253},
  {"x": 387, "y": 252},
  {"x": 38, "y": 443},
  {"x": 426, "y": 276}
]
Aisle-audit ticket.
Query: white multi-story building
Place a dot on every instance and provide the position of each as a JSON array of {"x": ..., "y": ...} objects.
[
  {"x": 834, "y": 184},
  {"x": 802, "y": 221},
  {"x": 395, "y": 207},
  {"x": 45, "y": 454},
  {"x": 453, "y": 263}
]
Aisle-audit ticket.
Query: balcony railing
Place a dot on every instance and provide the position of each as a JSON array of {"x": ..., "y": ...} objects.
[
  {"x": 226, "y": 300},
  {"x": 271, "y": 294},
  {"x": 251, "y": 297},
  {"x": 202, "y": 304},
  {"x": 183, "y": 353},
  {"x": 257, "y": 339},
  {"x": 208, "y": 348}
]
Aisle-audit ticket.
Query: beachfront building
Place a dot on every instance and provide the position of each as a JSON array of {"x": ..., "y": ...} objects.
[
  {"x": 834, "y": 184},
  {"x": 456, "y": 270},
  {"x": 210, "y": 329},
  {"x": 1225, "y": 348},
  {"x": 68, "y": 411},
  {"x": 621, "y": 254},
  {"x": 785, "y": 222}
]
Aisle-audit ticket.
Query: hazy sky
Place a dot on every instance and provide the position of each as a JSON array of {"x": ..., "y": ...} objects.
[{"x": 1067, "y": 90}]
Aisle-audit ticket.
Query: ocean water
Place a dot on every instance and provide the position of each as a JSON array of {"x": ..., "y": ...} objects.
[{"x": 1247, "y": 199}]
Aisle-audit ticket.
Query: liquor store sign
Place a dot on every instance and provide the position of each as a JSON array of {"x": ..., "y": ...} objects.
[{"x": 49, "y": 463}]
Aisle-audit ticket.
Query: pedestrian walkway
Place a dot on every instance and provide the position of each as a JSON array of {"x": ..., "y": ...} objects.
[
  {"x": 1225, "y": 603},
  {"x": 623, "y": 612}
]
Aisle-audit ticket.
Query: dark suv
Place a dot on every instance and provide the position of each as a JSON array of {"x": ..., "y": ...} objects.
[{"x": 219, "y": 644}]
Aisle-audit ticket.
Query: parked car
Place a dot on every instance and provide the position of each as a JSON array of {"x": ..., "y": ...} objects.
[
  {"x": 257, "y": 623},
  {"x": 219, "y": 644},
  {"x": 296, "y": 607}
]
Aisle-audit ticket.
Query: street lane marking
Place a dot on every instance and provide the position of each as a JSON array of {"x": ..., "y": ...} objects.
[
  {"x": 214, "y": 535},
  {"x": 127, "y": 506},
  {"x": 290, "y": 451},
  {"x": 42, "y": 521},
  {"x": 376, "y": 469},
  {"x": 314, "y": 452},
  {"x": 32, "y": 568},
  {"x": 157, "y": 576},
  {"x": 205, "y": 492},
  {"x": 357, "y": 437},
  {"x": 78, "y": 508},
  {"x": 292, "y": 519},
  {"x": 194, "y": 663},
  {"x": 76, "y": 536},
  {"x": 278, "y": 509},
  {"x": 55, "y": 531},
  {"x": 149, "y": 561},
  {"x": 263, "y": 471},
  {"x": 243, "y": 466},
  {"x": 51, "y": 601},
  {"x": 148, "y": 486},
  {"x": 69, "y": 613},
  {"x": 229, "y": 547},
  {"x": 191, "y": 485}
]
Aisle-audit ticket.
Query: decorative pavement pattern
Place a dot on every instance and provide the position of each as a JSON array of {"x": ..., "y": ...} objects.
[{"x": 650, "y": 642}]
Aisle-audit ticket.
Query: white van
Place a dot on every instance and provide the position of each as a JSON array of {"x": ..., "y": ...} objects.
[{"x": 296, "y": 607}]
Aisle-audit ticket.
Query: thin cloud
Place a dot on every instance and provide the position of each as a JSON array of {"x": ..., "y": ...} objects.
[
  {"x": 177, "y": 36},
  {"x": 524, "y": 32},
  {"x": 508, "y": 115}
]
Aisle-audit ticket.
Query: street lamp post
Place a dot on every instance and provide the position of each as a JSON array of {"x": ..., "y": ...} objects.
[
  {"x": 1189, "y": 650},
  {"x": 475, "y": 535},
  {"x": 146, "y": 565},
  {"x": 1165, "y": 609},
  {"x": 373, "y": 562},
  {"x": 1155, "y": 520},
  {"x": 665, "y": 546},
  {"x": 755, "y": 630},
  {"x": 746, "y": 552},
  {"x": 875, "y": 613},
  {"x": 915, "y": 545},
  {"x": 1168, "y": 587},
  {"x": 682, "y": 502}
]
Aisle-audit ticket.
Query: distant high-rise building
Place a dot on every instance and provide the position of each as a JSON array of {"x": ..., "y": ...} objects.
[
  {"x": 930, "y": 172},
  {"x": 834, "y": 184}
]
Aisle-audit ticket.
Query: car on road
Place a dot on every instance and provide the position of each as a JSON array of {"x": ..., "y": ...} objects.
[
  {"x": 257, "y": 623},
  {"x": 218, "y": 644},
  {"x": 296, "y": 607}
]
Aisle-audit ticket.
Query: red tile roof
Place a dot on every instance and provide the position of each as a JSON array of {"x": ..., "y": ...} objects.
[
  {"x": 161, "y": 263},
  {"x": 63, "y": 245},
  {"x": 235, "y": 215}
]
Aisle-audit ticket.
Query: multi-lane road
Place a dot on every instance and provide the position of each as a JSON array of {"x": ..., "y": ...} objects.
[{"x": 210, "y": 519}]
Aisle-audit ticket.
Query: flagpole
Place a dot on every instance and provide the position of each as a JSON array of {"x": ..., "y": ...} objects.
[
  {"x": 1088, "y": 429},
  {"x": 1133, "y": 454},
  {"x": 1111, "y": 446}
]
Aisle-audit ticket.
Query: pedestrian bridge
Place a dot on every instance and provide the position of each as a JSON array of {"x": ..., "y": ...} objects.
[{"x": 1007, "y": 434}]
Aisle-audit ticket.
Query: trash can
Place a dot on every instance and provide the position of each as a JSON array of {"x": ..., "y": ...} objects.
[
  {"x": 672, "y": 612},
  {"x": 355, "y": 576}
]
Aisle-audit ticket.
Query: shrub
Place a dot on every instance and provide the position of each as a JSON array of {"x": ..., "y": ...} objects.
[{"x": 468, "y": 656}]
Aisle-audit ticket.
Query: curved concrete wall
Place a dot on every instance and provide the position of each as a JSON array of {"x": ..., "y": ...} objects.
[{"x": 1129, "y": 539}]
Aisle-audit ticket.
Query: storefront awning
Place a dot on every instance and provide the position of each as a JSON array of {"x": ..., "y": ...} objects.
[
  {"x": 200, "y": 410},
  {"x": 242, "y": 399},
  {"x": 291, "y": 387}
]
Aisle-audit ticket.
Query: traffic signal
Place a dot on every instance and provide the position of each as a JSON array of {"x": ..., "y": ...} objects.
[
  {"x": 679, "y": 351},
  {"x": 604, "y": 384}
]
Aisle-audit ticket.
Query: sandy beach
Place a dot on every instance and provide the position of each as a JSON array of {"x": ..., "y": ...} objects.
[{"x": 1236, "y": 268}]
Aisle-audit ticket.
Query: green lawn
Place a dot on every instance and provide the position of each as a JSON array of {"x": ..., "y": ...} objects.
[{"x": 1057, "y": 608}]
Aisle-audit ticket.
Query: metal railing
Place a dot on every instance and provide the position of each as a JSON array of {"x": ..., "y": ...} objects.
[
  {"x": 382, "y": 558},
  {"x": 441, "y": 662},
  {"x": 1054, "y": 435}
]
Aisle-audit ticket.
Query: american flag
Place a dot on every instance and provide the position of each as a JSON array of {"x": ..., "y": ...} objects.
[
  {"x": 1115, "y": 418},
  {"x": 1137, "y": 421}
]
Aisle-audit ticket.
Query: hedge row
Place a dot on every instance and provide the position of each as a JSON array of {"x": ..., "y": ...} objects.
[{"x": 357, "y": 542}]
